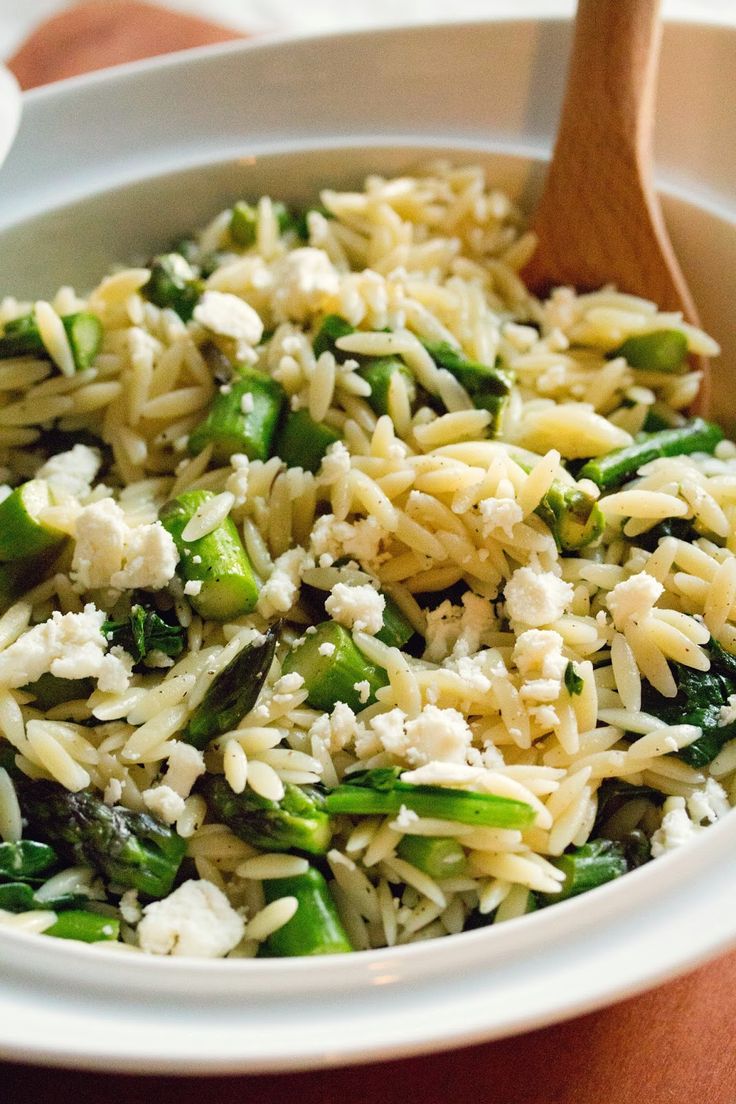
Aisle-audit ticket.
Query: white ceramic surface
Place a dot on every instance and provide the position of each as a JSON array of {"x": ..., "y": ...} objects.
[
  {"x": 173, "y": 141},
  {"x": 10, "y": 103}
]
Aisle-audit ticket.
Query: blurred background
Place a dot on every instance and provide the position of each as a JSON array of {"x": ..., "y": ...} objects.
[{"x": 19, "y": 20}]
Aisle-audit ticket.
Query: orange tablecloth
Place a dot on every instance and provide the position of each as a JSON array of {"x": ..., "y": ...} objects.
[{"x": 674, "y": 1045}]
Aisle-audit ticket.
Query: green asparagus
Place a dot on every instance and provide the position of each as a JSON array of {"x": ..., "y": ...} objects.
[
  {"x": 244, "y": 222},
  {"x": 332, "y": 675},
  {"x": 21, "y": 337},
  {"x": 380, "y": 792},
  {"x": 573, "y": 516},
  {"x": 333, "y": 326},
  {"x": 218, "y": 561},
  {"x": 86, "y": 927},
  {"x": 438, "y": 856},
  {"x": 302, "y": 442},
  {"x": 297, "y": 822},
  {"x": 660, "y": 351},
  {"x": 173, "y": 284},
  {"x": 234, "y": 692},
  {"x": 315, "y": 928},
  {"x": 49, "y": 690},
  {"x": 596, "y": 862},
  {"x": 489, "y": 386},
  {"x": 379, "y": 372},
  {"x": 26, "y": 861},
  {"x": 616, "y": 467},
  {"x": 145, "y": 631},
  {"x": 242, "y": 418},
  {"x": 131, "y": 850},
  {"x": 22, "y": 532}
]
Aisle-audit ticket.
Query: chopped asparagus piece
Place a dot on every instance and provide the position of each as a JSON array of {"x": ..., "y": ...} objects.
[
  {"x": 21, "y": 337},
  {"x": 217, "y": 560},
  {"x": 234, "y": 692},
  {"x": 596, "y": 862},
  {"x": 378, "y": 373},
  {"x": 173, "y": 284},
  {"x": 331, "y": 676},
  {"x": 573, "y": 516},
  {"x": 397, "y": 629},
  {"x": 302, "y": 442},
  {"x": 242, "y": 419},
  {"x": 333, "y": 326},
  {"x": 18, "y": 576},
  {"x": 488, "y": 385},
  {"x": 380, "y": 792},
  {"x": 438, "y": 856},
  {"x": 86, "y": 927},
  {"x": 660, "y": 351},
  {"x": 132, "y": 850},
  {"x": 244, "y": 222},
  {"x": 315, "y": 928},
  {"x": 616, "y": 467},
  {"x": 298, "y": 822},
  {"x": 22, "y": 533}
]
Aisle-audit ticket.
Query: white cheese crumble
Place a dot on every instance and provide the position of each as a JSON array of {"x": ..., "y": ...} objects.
[
  {"x": 539, "y": 659},
  {"x": 164, "y": 803},
  {"x": 185, "y": 765},
  {"x": 326, "y": 649},
  {"x": 237, "y": 482},
  {"x": 435, "y": 735},
  {"x": 281, "y": 589},
  {"x": 130, "y": 909},
  {"x": 359, "y": 539},
  {"x": 536, "y": 598},
  {"x": 634, "y": 597},
  {"x": 192, "y": 587},
  {"x": 303, "y": 279},
  {"x": 71, "y": 473},
  {"x": 70, "y": 646},
  {"x": 709, "y": 804},
  {"x": 110, "y": 552},
  {"x": 500, "y": 515},
  {"x": 335, "y": 731},
  {"x": 196, "y": 919},
  {"x": 356, "y": 607},
  {"x": 676, "y": 827},
  {"x": 363, "y": 690},
  {"x": 246, "y": 403},
  {"x": 727, "y": 713},
  {"x": 458, "y": 630},
  {"x": 229, "y": 316}
]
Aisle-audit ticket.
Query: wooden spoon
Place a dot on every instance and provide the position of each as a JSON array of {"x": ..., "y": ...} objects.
[{"x": 599, "y": 220}]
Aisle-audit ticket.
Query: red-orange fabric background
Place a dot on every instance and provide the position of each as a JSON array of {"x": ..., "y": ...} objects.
[{"x": 674, "y": 1045}]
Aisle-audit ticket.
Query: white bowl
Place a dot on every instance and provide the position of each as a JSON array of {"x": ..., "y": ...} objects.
[{"x": 112, "y": 166}]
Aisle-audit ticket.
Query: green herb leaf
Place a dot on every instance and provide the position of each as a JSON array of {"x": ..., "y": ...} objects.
[{"x": 145, "y": 632}]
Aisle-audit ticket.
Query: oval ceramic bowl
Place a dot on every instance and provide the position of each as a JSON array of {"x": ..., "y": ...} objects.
[{"x": 112, "y": 167}]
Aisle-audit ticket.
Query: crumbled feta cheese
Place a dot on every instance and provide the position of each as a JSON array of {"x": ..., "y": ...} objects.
[
  {"x": 459, "y": 630},
  {"x": 538, "y": 656},
  {"x": 196, "y": 559},
  {"x": 727, "y": 713},
  {"x": 634, "y": 597},
  {"x": 185, "y": 765},
  {"x": 435, "y": 735},
  {"x": 326, "y": 649},
  {"x": 676, "y": 827},
  {"x": 113, "y": 791},
  {"x": 164, "y": 803},
  {"x": 192, "y": 587},
  {"x": 444, "y": 774},
  {"x": 335, "y": 730},
  {"x": 356, "y": 607},
  {"x": 196, "y": 919},
  {"x": 545, "y": 716},
  {"x": 71, "y": 473},
  {"x": 405, "y": 818},
  {"x": 470, "y": 669},
  {"x": 237, "y": 482},
  {"x": 363, "y": 690},
  {"x": 246, "y": 403},
  {"x": 360, "y": 539},
  {"x": 229, "y": 316},
  {"x": 281, "y": 589},
  {"x": 69, "y": 645},
  {"x": 536, "y": 597},
  {"x": 110, "y": 552},
  {"x": 130, "y": 909},
  {"x": 500, "y": 515},
  {"x": 303, "y": 279},
  {"x": 288, "y": 684},
  {"x": 709, "y": 804}
]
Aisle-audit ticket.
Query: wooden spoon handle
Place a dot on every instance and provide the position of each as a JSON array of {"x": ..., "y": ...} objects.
[{"x": 599, "y": 219}]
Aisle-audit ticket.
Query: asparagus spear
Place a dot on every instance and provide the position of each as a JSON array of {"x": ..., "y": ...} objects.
[
  {"x": 302, "y": 442},
  {"x": 379, "y": 372},
  {"x": 17, "y": 576},
  {"x": 315, "y": 928},
  {"x": 331, "y": 676},
  {"x": 218, "y": 561},
  {"x": 573, "y": 516},
  {"x": 22, "y": 533},
  {"x": 173, "y": 284},
  {"x": 297, "y": 822},
  {"x": 380, "y": 792},
  {"x": 21, "y": 337},
  {"x": 332, "y": 327},
  {"x": 596, "y": 862},
  {"x": 86, "y": 927},
  {"x": 50, "y": 690},
  {"x": 616, "y": 467},
  {"x": 26, "y": 861},
  {"x": 438, "y": 856},
  {"x": 244, "y": 222},
  {"x": 132, "y": 850},
  {"x": 241, "y": 419},
  {"x": 488, "y": 385},
  {"x": 660, "y": 351},
  {"x": 234, "y": 692}
]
